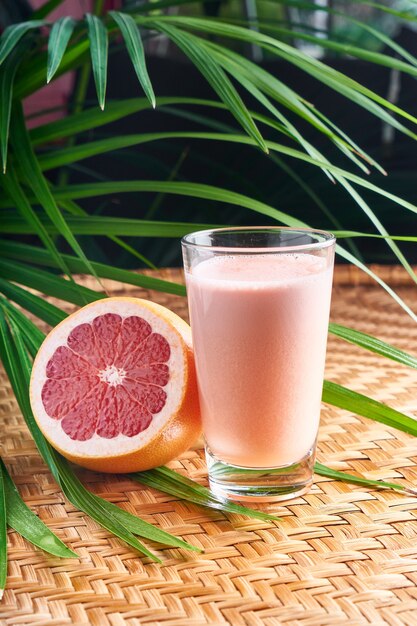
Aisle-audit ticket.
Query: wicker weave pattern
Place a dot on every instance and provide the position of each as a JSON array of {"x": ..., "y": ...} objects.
[{"x": 342, "y": 554}]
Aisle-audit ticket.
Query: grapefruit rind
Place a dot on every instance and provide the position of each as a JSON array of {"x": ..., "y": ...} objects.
[{"x": 171, "y": 431}]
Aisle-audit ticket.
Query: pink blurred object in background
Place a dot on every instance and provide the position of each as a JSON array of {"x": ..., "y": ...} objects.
[{"x": 57, "y": 93}]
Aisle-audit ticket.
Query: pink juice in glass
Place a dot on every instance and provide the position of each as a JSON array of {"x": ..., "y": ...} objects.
[{"x": 259, "y": 325}]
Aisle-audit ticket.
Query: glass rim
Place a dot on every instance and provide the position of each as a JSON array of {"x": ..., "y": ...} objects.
[{"x": 328, "y": 239}]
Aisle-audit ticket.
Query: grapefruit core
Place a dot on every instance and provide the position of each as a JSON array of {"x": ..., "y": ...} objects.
[{"x": 113, "y": 386}]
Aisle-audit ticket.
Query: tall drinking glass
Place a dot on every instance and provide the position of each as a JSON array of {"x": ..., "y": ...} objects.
[{"x": 259, "y": 302}]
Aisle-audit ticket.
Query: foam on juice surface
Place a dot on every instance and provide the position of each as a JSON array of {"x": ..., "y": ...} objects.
[
  {"x": 259, "y": 326},
  {"x": 258, "y": 270}
]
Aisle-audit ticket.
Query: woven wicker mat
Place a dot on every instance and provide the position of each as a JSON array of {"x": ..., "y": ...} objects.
[{"x": 342, "y": 554}]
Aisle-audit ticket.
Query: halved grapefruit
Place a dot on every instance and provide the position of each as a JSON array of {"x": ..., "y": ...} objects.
[{"x": 113, "y": 386}]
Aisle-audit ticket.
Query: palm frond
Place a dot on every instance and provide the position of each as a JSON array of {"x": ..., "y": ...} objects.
[
  {"x": 33, "y": 76},
  {"x": 74, "y": 209},
  {"x": 26, "y": 523},
  {"x": 7, "y": 76},
  {"x": 134, "y": 45},
  {"x": 59, "y": 37},
  {"x": 214, "y": 74},
  {"x": 46, "y": 282},
  {"x": 13, "y": 34},
  {"x": 38, "y": 256},
  {"x": 99, "y": 45},
  {"x": 373, "y": 344},
  {"x": 40, "y": 307},
  {"x": 101, "y": 225},
  {"x": 359, "y": 404},
  {"x": 30, "y": 217},
  {"x": 351, "y": 89},
  {"x": 254, "y": 75},
  {"x": 32, "y": 174},
  {"x": 91, "y": 118}
]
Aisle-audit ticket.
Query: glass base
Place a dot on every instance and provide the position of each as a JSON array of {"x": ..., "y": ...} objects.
[{"x": 264, "y": 484}]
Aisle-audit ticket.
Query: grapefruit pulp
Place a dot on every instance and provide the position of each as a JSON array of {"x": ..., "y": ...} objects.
[{"x": 113, "y": 386}]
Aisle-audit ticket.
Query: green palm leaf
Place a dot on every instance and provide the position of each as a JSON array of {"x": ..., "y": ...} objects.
[
  {"x": 99, "y": 52},
  {"x": 373, "y": 344},
  {"x": 33, "y": 76},
  {"x": 179, "y": 486},
  {"x": 96, "y": 508},
  {"x": 325, "y": 74},
  {"x": 59, "y": 37},
  {"x": 357, "y": 403},
  {"x": 300, "y": 182},
  {"x": 20, "y": 385},
  {"x": 48, "y": 283},
  {"x": 27, "y": 524},
  {"x": 248, "y": 84},
  {"x": 90, "y": 149},
  {"x": 364, "y": 155},
  {"x": 347, "y": 234},
  {"x": 31, "y": 171},
  {"x": 378, "y": 225},
  {"x": 36, "y": 255},
  {"x": 354, "y": 91},
  {"x": 13, "y": 34},
  {"x": 216, "y": 77},
  {"x": 382, "y": 37},
  {"x": 57, "y": 158},
  {"x": 7, "y": 75},
  {"x": 101, "y": 225},
  {"x": 32, "y": 336},
  {"x": 91, "y": 118},
  {"x": 38, "y": 306},
  {"x": 234, "y": 138},
  {"x": 75, "y": 209},
  {"x": 323, "y": 470},
  {"x": 352, "y": 259},
  {"x": 133, "y": 40},
  {"x": 254, "y": 75},
  {"x": 30, "y": 217},
  {"x": 209, "y": 192},
  {"x": 281, "y": 93}
]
